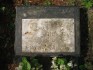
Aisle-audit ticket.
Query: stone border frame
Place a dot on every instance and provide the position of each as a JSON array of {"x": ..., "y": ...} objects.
[{"x": 46, "y": 12}]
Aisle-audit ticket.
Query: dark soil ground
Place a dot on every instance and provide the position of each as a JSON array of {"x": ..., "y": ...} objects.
[{"x": 8, "y": 60}]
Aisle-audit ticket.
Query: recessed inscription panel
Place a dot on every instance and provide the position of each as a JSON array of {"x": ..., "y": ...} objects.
[{"x": 48, "y": 35}]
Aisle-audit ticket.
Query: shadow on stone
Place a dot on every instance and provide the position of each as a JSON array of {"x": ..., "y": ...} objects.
[{"x": 83, "y": 34}]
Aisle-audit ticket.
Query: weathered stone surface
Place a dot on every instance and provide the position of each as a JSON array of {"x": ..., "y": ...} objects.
[
  {"x": 48, "y": 35},
  {"x": 49, "y": 31}
]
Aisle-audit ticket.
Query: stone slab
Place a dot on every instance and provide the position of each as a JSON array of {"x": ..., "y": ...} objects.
[{"x": 47, "y": 31}]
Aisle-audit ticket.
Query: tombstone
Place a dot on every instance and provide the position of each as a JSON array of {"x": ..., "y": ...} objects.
[{"x": 46, "y": 31}]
